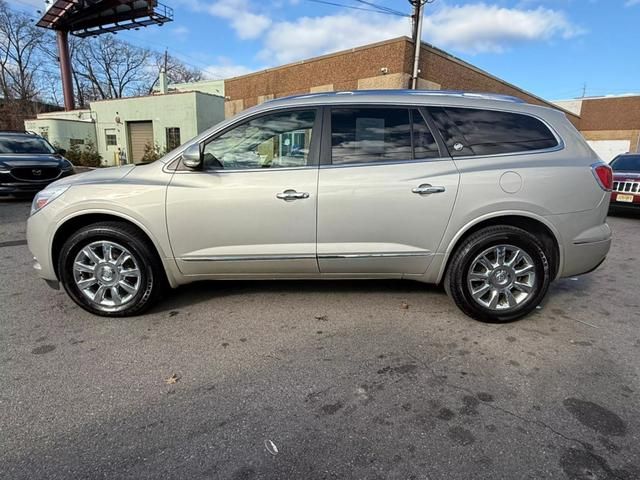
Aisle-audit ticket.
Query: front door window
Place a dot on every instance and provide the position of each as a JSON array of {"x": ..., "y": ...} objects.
[{"x": 272, "y": 141}]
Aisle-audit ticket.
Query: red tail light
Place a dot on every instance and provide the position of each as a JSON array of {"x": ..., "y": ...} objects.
[{"x": 604, "y": 175}]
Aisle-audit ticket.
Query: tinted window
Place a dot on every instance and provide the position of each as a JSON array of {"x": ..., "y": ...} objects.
[
  {"x": 364, "y": 135},
  {"x": 626, "y": 163},
  {"x": 272, "y": 141},
  {"x": 424, "y": 145},
  {"x": 487, "y": 132},
  {"x": 24, "y": 144}
]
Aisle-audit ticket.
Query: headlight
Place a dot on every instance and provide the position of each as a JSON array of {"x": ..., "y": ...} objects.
[
  {"x": 46, "y": 196},
  {"x": 4, "y": 169},
  {"x": 66, "y": 165}
]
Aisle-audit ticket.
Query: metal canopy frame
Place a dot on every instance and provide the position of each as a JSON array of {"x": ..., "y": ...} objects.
[
  {"x": 84, "y": 18},
  {"x": 90, "y": 18}
]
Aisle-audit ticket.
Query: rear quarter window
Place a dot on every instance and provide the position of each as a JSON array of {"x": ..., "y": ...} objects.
[{"x": 491, "y": 132}]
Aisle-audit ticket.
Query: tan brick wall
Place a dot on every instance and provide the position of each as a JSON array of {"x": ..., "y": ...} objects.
[
  {"x": 620, "y": 113},
  {"x": 361, "y": 68},
  {"x": 342, "y": 71},
  {"x": 452, "y": 74}
]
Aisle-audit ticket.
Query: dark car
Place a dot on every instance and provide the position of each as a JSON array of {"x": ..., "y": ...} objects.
[
  {"x": 28, "y": 163},
  {"x": 626, "y": 181}
]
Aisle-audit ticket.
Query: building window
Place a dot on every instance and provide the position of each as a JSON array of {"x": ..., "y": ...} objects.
[
  {"x": 110, "y": 138},
  {"x": 173, "y": 138},
  {"x": 76, "y": 141}
]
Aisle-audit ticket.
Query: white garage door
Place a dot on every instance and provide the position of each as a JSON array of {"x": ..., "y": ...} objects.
[{"x": 607, "y": 150}]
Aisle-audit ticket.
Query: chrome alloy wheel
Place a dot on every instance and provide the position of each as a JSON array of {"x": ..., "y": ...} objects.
[
  {"x": 502, "y": 277},
  {"x": 107, "y": 274}
]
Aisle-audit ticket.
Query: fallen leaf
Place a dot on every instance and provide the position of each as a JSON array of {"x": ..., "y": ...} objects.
[
  {"x": 322, "y": 318},
  {"x": 172, "y": 379},
  {"x": 404, "y": 305}
]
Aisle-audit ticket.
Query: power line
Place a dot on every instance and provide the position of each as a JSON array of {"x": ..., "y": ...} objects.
[
  {"x": 353, "y": 7},
  {"x": 382, "y": 8}
]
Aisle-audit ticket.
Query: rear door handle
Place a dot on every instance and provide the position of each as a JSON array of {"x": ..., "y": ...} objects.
[
  {"x": 289, "y": 195},
  {"x": 427, "y": 189}
]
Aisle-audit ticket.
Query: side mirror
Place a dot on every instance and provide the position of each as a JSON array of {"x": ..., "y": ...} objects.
[
  {"x": 191, "y": 157},
  {"x": 61, "y": 151}
]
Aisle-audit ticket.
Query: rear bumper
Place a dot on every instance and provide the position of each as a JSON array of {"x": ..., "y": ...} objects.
[{"x": 585, "y": 257}]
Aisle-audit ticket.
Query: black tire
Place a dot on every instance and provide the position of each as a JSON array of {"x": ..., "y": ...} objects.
[
  {"x": 456, "y": 284},
  {"x": 152, "y": 279}
]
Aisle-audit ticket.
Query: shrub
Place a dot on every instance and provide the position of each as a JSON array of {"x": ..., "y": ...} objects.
[
  {"x": 84, "y": 157},
  {"x": 152, "y": 152},
  {"x": 89, "y": 156}
]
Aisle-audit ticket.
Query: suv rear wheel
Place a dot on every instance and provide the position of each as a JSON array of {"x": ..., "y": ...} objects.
[
  {"x": 111, "y": 269},
  {"x": 498, "y": 274}
]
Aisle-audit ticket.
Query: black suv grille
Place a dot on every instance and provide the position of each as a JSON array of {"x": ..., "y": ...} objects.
[{"x": 35, "y": 174}]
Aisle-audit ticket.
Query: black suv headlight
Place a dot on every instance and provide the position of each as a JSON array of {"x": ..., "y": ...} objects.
[{"x": 66, "y": 165}]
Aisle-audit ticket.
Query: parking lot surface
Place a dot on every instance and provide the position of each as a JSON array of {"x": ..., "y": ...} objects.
[{"x": 320, "y": 380}]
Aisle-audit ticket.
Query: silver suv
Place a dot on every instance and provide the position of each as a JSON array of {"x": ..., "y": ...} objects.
[{"x": 489, "y": 196}]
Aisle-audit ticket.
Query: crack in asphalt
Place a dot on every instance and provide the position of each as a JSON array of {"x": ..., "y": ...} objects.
[{"x": 12, "y": 243}]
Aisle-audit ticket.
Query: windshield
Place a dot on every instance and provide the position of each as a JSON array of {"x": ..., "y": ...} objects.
[
  {"x": 626, "y": 163},
  {"x": 24, "y": 144}
]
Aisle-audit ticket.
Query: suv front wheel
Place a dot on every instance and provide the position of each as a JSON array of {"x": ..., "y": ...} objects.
[
  {"x": 111, "y": 269},
  {"x": 498, "y": 274}
]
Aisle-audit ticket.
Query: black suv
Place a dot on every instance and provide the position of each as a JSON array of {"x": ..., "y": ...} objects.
[{"x": 28, "y": 163}]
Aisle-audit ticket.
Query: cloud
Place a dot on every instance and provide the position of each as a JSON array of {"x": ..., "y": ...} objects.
[
  {"x": 470, "y": 28},
  {"x": 631, "y": 3},
  {"x": 181, "y": 32},
  {"x": 246, "y": 24},
  {"x": 225, "y": 68},
  {"x": 308, "y": 36},
  {"x": 479, "y": 27}
]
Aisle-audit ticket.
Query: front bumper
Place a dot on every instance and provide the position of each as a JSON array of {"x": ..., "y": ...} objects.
[
  {"x": 10, "y": 186},
  {"x": 39, "y": 241},
  {"x": 624, "y": 200},
  {"x": 16, "y": 187}
]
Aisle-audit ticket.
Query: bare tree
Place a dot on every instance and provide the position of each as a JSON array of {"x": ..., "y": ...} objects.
[
  {"x": 103, "y": 67},
  {"x": 112, "y": 68},
  {"x": 21, "y": 69}
]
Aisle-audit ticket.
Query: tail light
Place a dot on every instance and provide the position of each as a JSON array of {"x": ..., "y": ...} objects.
[{"x": 604, "y": 175}]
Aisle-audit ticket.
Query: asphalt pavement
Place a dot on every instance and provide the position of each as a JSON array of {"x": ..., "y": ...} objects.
[{"x": 320, "y": 380}]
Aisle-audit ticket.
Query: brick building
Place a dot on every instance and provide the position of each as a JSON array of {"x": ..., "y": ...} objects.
[
  {"x": 385, "y": 64},
  {"x": 611, "y": 125}
]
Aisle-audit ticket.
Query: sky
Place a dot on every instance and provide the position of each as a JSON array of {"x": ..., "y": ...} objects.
[{"x": 557, "y": 49}]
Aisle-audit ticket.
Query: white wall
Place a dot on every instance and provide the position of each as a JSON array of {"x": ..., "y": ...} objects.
[{"x": 607, "y": 150}]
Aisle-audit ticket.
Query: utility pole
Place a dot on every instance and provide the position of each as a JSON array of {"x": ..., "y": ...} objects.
[{"x": 418, "y": 10}]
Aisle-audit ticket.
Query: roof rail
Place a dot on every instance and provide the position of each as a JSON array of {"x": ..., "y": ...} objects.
[{"x": 429, "y": 93}]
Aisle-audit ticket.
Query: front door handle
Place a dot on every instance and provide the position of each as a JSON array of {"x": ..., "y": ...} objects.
[
  {"x": 427, "y": 189},
  {"x": 289, "y": 195}
]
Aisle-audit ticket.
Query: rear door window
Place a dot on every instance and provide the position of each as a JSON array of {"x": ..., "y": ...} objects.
[
  {"x": 371, "y": 135},
  {"x": 468, "y": 131}
]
